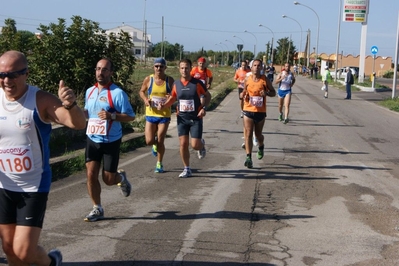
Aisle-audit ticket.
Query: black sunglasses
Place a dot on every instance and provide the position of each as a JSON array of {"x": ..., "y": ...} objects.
[
  {"x": 159, "y": 66},
  {"x": 13, "y": 75}
]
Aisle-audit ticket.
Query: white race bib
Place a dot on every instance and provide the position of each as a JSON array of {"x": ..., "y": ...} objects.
[
  {"x": 186, "y": 106},
  {"x": 256, "y": 101},
  {"x": 16, "y": 160},
  {"x": 96, "y": 126},
  {"x": 156, "y": 100}
]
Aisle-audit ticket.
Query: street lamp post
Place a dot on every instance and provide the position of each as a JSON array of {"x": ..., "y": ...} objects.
[
  {"x": 318, "y": 27},
  {"x": 227, "y": 57},
  {"x": 221, "y": 62},
  {"x": 271, "y": 57},
  {"x": 300, "y": 43},
  {"x": 239, "y": 52},
  {"x": 256, "y": 41},
  {"x": 234, "y": 55},
  {"x": 338, "y": 34}
]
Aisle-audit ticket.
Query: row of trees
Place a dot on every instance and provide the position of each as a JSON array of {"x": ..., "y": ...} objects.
[
  {"x": 69, "y": 53},
  {"x": 284, "y": 52}
]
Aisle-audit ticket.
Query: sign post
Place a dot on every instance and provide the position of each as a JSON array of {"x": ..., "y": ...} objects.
[
  {"x": 374, "y": 51},
  {"x": 357, "y": 11}
]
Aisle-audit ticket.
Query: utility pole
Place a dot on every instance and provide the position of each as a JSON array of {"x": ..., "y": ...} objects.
[{"x": 163, "y": 41}]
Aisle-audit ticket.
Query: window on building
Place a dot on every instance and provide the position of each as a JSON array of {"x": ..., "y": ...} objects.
[{"x": 137, "y": 51}]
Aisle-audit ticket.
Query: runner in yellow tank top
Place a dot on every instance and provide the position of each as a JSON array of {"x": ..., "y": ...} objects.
[{"x": 154, "y": 90}]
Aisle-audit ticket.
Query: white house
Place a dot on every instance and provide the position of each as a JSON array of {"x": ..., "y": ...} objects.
[{"x": 141, "y": 44}]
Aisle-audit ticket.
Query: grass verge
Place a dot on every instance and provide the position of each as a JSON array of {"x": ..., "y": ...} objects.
[{"x": 391, "y": 103}]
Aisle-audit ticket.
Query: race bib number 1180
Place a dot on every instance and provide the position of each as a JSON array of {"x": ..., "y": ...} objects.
[{"x": 16, "y": 160}]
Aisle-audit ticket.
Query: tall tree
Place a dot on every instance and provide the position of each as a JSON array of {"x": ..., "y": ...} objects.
[
  {"x": 8, "y": 33},
  {"x": 284, "y": 47}
]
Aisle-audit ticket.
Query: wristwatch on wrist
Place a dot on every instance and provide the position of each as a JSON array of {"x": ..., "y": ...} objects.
[
  {"x": 204, "y": 107},
  {"x": 113, "y": 116},
  {"x": 69, "y": 107}
]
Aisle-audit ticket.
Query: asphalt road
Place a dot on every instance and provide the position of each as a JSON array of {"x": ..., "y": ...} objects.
[{"x": 326, "y": 193}]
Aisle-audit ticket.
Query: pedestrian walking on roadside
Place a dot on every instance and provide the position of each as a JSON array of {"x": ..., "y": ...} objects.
[
  {"x": 325, "y": 78},
  {"x": 156, "y": 88},
  {"x": 349, "y": 80},
  {"x": 286, "y": 80},
  {"x": 25, "y": 174},
  {"x": 187, "y": 91},
  {"x": 256, "y": 88},
  {"x": 107, "y": 105},
  {"x": 316, "y": 71}
]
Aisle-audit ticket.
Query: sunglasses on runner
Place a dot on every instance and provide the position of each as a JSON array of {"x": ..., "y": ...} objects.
[
  {"x": 13, "y": 75},
  {"x": 159, "y": 66}
]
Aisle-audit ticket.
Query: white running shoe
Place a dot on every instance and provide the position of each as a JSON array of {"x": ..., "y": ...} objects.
[
  {"x": 96, "y": 214},
  {"x": 186, "y": 173},
  {"x": 255, "y": 140},
  {"x": 202, "y": 152}
]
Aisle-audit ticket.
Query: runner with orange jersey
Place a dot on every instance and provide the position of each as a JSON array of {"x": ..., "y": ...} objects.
[
  {"x": 256, "y": 88},
  {"x": 239, "y": 78},
  {"x": 202, "y": 73}
]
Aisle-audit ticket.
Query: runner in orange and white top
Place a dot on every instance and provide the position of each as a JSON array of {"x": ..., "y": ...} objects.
[
  {"x": 202, "y": 73},
  {"x": 256, "y": 88},
  {"x": 239, "y": 78}
]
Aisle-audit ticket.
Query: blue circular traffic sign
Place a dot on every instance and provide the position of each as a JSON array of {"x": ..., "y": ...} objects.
[{"x": 374, "y": 49}]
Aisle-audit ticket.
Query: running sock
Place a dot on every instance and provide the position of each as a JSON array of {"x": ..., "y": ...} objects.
[{"x": 98, "y": 206}]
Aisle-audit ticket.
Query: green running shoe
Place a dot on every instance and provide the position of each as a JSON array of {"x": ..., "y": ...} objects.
[
  {"x": 154, "y": 150},
  {"x": 260, "y": 153},
  {"x": 159, "y": 168},
  {"x": 248, "y": 162}
]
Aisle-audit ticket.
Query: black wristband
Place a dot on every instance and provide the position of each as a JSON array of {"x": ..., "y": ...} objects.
[
  {"x": 69, "y": 107},
  {"x": 204, "y": 107}
]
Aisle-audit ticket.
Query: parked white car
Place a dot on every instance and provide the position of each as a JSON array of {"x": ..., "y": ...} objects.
[{"x": 342, "y": 72}]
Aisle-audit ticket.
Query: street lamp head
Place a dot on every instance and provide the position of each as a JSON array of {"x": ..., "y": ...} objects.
[
  {"x": 260, "y": 25},
  {"x": 296, "y": 3},
  {"x": 284, "y": 16},
  {"x": 245, "y": 31}
]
